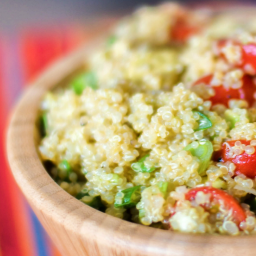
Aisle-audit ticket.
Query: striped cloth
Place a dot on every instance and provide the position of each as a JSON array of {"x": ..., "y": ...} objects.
[{"x": 22, "y": 57}]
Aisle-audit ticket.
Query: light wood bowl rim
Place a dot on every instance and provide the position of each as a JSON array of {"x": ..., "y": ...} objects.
[{"x": 46, "y": 196}]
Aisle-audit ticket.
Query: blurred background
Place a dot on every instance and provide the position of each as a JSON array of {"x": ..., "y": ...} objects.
[{"x": 33, "y": 33}]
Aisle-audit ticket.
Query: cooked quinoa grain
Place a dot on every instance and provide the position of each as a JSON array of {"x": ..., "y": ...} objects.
[{"x": 160, "y": 128}]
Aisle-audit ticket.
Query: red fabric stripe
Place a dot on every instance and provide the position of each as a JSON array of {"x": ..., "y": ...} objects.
[
  {"x": 38, "y": 50},
  {"x": 41, "y": 47},
  {"x": 8, "y": 234}
]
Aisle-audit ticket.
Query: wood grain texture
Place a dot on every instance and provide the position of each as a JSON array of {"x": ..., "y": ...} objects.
[{"x": 77, "y": 229}]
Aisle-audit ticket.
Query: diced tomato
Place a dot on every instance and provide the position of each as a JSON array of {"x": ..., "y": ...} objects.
[
  {"x": 182, "y": 30},
  {"x": 223, "y": 94},
  {"x": 249, "y": 58},
  {"x": 248, "y": 52},
  {"x": 220, "y": 197},
  {"x": 223, "y": 43},
  {"x": 245, "y": 163}
]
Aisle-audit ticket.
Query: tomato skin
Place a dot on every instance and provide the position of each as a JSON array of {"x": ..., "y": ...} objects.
[
  {"x": 245, "y": 164},
  {"x": 204, "y": 80},
  {"x": 219, "y": 196},
  {"x": 223, "y": 94}
]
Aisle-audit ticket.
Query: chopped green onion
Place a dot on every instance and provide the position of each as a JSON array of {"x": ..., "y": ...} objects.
[
  {"x": 140, "y": 166},
  {"x": 84, "y": 80},
  {"x": 65, "y": 166},
  {"x": 131, "y": 197},
  {"x": 111, "y": 40},
  {"x": 163, "y": 186},
  {"x": 203, "y": 152},
  {"x": 204, "y": 122}
]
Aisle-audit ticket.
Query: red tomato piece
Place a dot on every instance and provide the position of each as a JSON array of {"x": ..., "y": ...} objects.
[
  {"x": 249, "y": 57},
  {"x": 220, "y": 197},
  {"x": 204, "y": 80},
  {"x": 245, "y": 163},
  {"x": 182, "y": 30},
  {"x": 223, "y": 94}
]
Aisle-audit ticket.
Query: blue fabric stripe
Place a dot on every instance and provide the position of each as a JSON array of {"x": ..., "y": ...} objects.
[{"x": 42, "y": 247}]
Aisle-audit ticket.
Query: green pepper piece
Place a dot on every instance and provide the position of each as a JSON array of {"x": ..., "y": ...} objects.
[
  {"x": 111, "y": 40},
  {"x": 204, "y": 122},
  {"x": 140, "y": 166},
  {"x": 163, "y": 186},
  {"x": 84, "y": 80},
  {"x": 131, "y": 197},
  {"x": 203, "y": 152}
]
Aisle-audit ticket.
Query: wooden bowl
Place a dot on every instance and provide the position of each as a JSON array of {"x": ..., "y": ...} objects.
[{"x": 76, "y": 228}]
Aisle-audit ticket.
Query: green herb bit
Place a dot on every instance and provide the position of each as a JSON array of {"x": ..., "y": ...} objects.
[
  {"x": 82, "y": 81},
  {"x": 253, "y": 205},
  {"x": 140, "y": 166},
  {"x": 94, "y": 202},
  {"x": 163, "y": 186},
  {"x": 204, "y": 122},
  {"x": 43, "y": 124},
  {"x": 81, "y": 194},
  {"x": 203, "y": 152},
  {"x": 131, "y": 197},
  {"x": 111, "y": 40}
]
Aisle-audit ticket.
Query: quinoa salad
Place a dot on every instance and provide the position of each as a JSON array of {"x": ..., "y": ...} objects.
[{"x": 160, "y": 127}]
